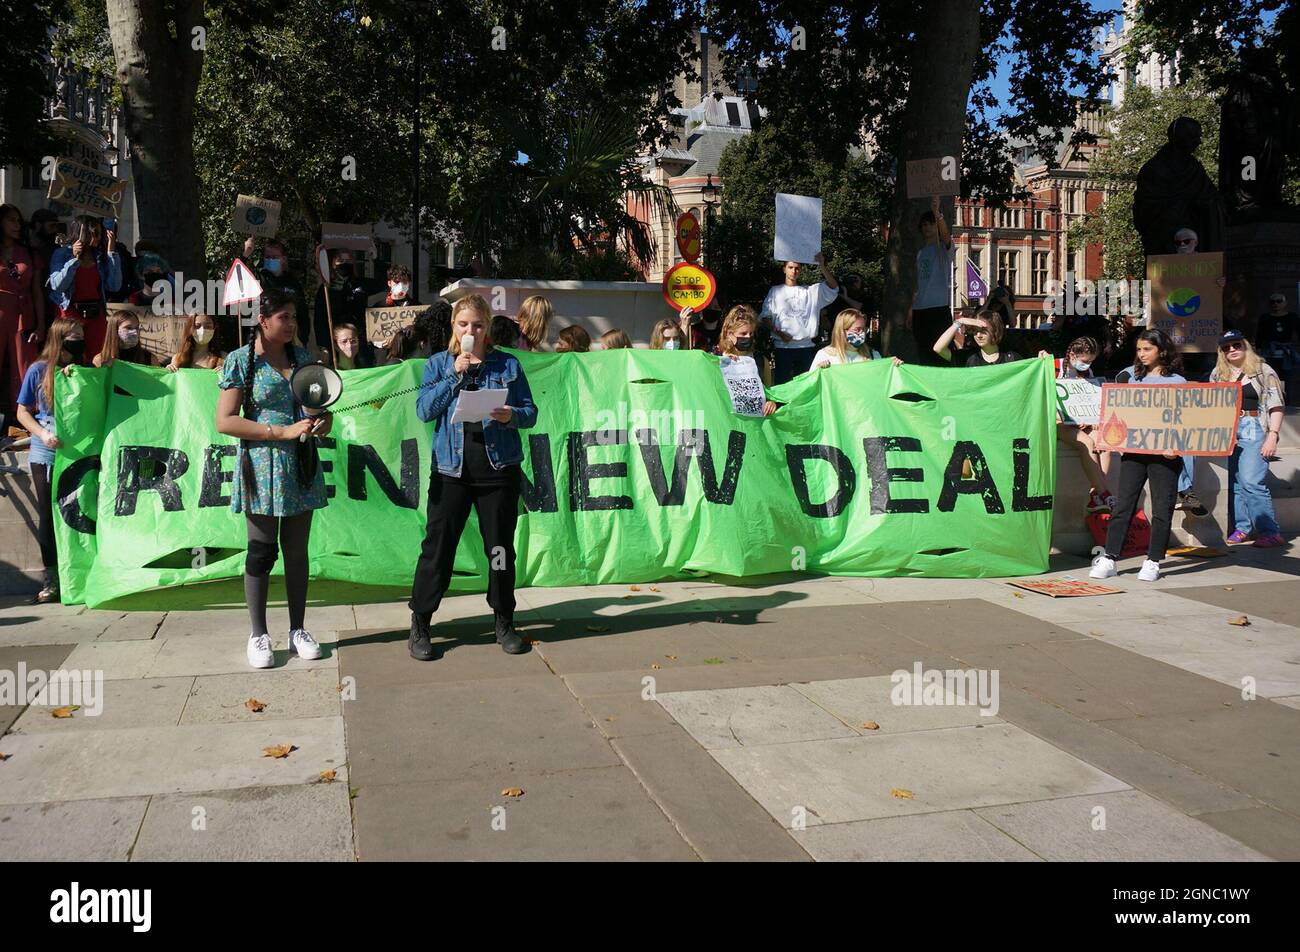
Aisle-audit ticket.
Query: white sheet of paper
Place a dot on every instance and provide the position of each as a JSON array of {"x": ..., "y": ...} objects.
[
  {"x": 798, "y": 228},
  {"x": 474, "y": 406},
  {"x": 741, "y": 377}
]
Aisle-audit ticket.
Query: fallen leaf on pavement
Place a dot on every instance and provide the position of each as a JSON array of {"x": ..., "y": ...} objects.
[
  {"x": 654, "y": 666},
  {"x": 279, "y": 752},
  {"x": 65, "y": 711},
  {"x": 654, "y": 588},
  {"x": 1241, "y": 621},
  {"x": 671, "y": 657},
  {"x": 1227, "y": 588},
  {"x": 1097, "y": 634},
  {"x": 634, "y": 588},
  {"x": 902, "y": 794},
  {"x": 512, "y": 792},
  {"x": 871, "y": 725},
  {"x": 327, "y": 776},
  {"x": 1018, "y": 594},
  {"x": 713, "y": 661},
  {"x": 4, "y": 756},
  {"x": 254, "y": 705},
  {"x": 597, "y": 628}
]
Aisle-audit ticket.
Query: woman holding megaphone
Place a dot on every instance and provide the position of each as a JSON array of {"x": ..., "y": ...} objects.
[
  {"x": 278, "y": 481},
  {"x": 476, "y": 463}
]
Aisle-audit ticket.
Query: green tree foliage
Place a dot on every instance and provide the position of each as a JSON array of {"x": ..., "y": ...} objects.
[
  {"x": 1138, "y": 129},
  {"x": 25, "y": 24}
]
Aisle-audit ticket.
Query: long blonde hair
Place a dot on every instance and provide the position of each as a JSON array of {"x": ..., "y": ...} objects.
[
  {"x": 533, "y": 318},
  {"x": 615, "y": 339},
  {"x": 840, "y": 334},
  {"x": 55, "y": 335},
  {"x": 668, "y": 324},
  {"x": 737, "y": 316},
  {"x": 475, "y": 302},
  {"x": 1249, "y": 367}
]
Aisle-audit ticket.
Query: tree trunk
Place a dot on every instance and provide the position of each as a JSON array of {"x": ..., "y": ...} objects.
[
  {"x": 934, "y": 124},
  {"x": 159, "y": 76}
]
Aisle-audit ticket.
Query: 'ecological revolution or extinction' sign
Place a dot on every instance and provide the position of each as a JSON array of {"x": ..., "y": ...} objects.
[
  {"x": 867, "y": 469},
  {"x": 1190, "y": 419}
]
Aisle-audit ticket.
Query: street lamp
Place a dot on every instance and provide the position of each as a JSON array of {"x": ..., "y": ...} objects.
[{"x": 710, "y": 193}]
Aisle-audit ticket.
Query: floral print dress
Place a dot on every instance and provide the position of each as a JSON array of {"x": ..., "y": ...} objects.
[{"x": 276, "y": 490}]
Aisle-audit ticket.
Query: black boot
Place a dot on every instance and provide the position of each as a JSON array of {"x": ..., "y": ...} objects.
[
  {"x": 508, "y": 638},
  {"x": 422, "y": 648}
]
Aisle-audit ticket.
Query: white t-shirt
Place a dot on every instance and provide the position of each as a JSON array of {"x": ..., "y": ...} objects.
[
  {"x": 933, "y": 276},
  {"x": 797, "y": 311},
  {"x": 831, "y": 354}
]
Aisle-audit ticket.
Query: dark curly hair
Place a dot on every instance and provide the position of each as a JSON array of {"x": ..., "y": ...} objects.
[
  {"x": 1171, "y": 362},
  {"x": 433, "y": 326}
]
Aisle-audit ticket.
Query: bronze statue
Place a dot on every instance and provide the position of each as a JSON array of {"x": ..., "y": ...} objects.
[
  {"x": 1258, "y": 119},
  {"x": 1173, "y": 191}
]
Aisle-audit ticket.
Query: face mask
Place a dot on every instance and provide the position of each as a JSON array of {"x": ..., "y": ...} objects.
[
  {"x": 857, "y": 340},
  {"x": 128, "y": 338},
  {"x": 272, "y": 265},
  {"x": 76, "y": 349},
  {"x": 346, "y": 270},
  {"x": 745, "y": 344},
  {"x": 672, "y": 344},
  {"x": 202, "y": 335},
  {"x": 1081, "y": 365},
  {"x": 399, "y": 290}
]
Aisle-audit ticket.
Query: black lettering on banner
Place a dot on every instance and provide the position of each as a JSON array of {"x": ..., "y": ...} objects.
[
  {"x": 691, "y": 444},
  {"x": 362, "y": 457},
  {"x": 1021, "y": 501},
  {"x": 880, "y": 475},
  {"x": 797, "y": 456},
  {"x": 582, "y": 472},
  {"x": 212, "y": 491},
  {"x": 68, "y": 494},
  {"x": 981, "y": 481},
  {"x": 327, "y": 464},
  {"x": 131, "y": 481},
  {"x": 539, "y": 496}
]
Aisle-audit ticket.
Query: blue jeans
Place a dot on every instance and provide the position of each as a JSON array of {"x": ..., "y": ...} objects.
[
  {"x": 1252, "y": 505},
  {"x": 1185, "y": 474}
]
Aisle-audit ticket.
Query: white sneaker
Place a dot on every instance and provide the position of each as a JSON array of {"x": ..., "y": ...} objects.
[
  {"x": 260, "y": 654},
  {"x": 1150, "y": 571},
  {"x": 303, "y": 645},
  {"x": 1103, "y": 566}
]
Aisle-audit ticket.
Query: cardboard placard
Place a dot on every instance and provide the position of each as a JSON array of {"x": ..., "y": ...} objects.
[
  {"x": 798, "y": 228},
  {"x": 1078, "y": 399},
  {"x": 383, "y": 322},
  {"x": 160, "y": 334},
  {"x": 1186, "y": 300},
  {"x": 89, "y": 189},
  {"x": 353, "y": 237},
  {"x": 1191, "y": 419},
  {"x": 256, "y": 216},
  {"x": 1064, "y": 588},
  {"x": 926, "y": 177},
  {"x": 688, "y": 284}
]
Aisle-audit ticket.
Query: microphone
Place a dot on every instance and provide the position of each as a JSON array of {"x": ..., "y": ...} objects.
[{"x": 467, "y": 343}]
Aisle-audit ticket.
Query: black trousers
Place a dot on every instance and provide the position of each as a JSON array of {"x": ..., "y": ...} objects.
[
  {"x": 928, "y": 325},
  {"x": 497, "y": 505},
  {"x": 1135, "y": 471},
  {"x": 41, "y": 473}
]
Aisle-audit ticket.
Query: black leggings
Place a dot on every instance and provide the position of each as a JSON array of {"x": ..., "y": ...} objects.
[
  {"x": 497, "y": 505},
  {"x": 293, "y": 532},
  {"x": 1161, "y": 474},
  {"x": 41, "y": 473}
]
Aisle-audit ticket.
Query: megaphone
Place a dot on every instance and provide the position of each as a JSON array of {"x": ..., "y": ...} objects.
[{"x": 316, "y": 386}]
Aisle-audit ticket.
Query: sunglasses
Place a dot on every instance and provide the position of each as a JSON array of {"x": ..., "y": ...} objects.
[
  {"x": 1185, "y": 241},
  {"x": 1234, "y": 346}
]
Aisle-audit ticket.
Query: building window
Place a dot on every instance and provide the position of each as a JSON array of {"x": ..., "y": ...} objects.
[
  {"x": 1040, "y": 219},
  {"x": 1039, "y": 285},
  {"x": 1007, "y": 269}
]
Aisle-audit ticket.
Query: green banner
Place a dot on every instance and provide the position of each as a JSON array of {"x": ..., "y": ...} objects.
[{"x": 638, "y": 469}]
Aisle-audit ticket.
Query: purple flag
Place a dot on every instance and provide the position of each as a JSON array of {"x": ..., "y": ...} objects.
[{"x": 975, "y": 286}]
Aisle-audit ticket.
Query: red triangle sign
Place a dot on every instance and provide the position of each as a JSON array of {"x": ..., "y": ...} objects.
[{"x": 240, "y": 285}]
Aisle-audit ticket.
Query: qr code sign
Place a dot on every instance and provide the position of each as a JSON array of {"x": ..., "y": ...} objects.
[{"x": 746, "y": 395}]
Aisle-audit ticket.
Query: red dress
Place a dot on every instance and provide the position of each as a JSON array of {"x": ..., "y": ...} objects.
[
  {"x": 17, "y": 318},
  {"x": 86, "y": 294}
]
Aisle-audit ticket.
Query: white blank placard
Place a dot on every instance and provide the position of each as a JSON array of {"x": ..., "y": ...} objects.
[{"x": 798, "y": 228}]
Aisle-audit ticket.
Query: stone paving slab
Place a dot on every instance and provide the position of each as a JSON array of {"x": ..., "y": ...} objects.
[
  {"x": 308, "y": 823},
  {"x": 597, "y": 814},
  {"x": 156, "y": 702},
  {"x": 119, "y": 660},
  {"x": 1271, "y": 832},
  {"x": 957, "y": 768},
  {"x": 1276, "y": 601},
  {"x": 576, "y": 649},
  {"x": 36, "y": 658},
  {"x": 128, "y": 762},
  {"x": 746, "y": 717},
  {"x": 627, "y": 715},
  {"x": 220, "y": 698},
  {"x": 232, "y": 623},
  {"x": 958, "y": 836},
  {"x": 857, "y": 701},
  {"x": 671, "y": 677},
  {"x": 227, "y": 654},
  {"x": 1291, "y": 702},
  {"x": 1137, "y": 828},
  {"x": 380, "y": 656},
  {"x": 87, "y": 831}
]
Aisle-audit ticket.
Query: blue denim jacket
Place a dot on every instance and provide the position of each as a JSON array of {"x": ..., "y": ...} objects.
[
  {"x": 63, "y": 273},
  {"x": 439, "y": 396}
]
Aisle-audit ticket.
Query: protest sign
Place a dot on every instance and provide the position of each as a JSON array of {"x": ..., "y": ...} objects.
[
  {"x": 160, "y": 334},
  {"x": 798, "y": 228},
  {"x": 689, "y": 284},
  {"x": 743, "y": 383},
  {"x": 383, "y": 322},
  {"x": 86, "y": 188},
  {"x": 359, "y": 237},
  {"x": 926, "y": 177},
  {"x": 1078, "y": 399},
  {"x": 1191, "y": 419},
  {"x": 688, "y": 236},
  {"x": 256, "y": 216},
  {"x": 846, "y": 479},
  {"x": 1064, "y": 587},
  {"x": 1186, "y": 300}
]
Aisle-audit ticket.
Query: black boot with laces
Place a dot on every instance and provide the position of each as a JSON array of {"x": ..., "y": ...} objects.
[
  {"x": 508, "y": 638},
  {"x": 422, "y": 648}
]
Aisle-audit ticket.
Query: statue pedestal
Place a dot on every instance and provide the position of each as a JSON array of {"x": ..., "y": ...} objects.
[{"x": 1261, "y": 257}]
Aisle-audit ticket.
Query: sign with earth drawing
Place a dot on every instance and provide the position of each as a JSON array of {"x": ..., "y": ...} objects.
[{"x": 1187, "y": 298}]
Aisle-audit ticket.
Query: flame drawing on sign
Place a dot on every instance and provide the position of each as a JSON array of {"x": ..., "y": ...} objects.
[{"x": 1114, "y": 431}]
